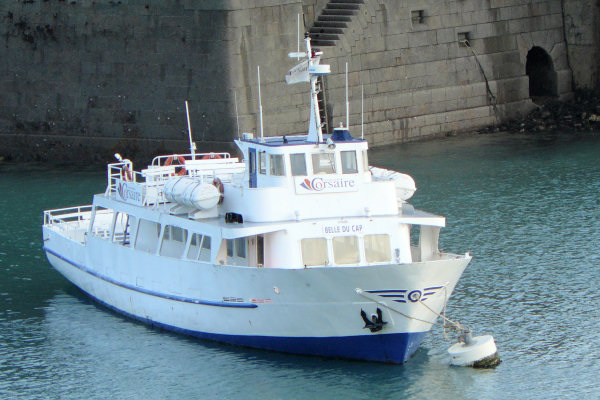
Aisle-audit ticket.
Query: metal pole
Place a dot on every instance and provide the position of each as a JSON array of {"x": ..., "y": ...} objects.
[
  {"x": 260, "y": 103},
  {"x": 362, "y": 110},
  {"x": 192, "y": 147},
  {"x": 347, "y": 104},
  {"x": 237, "y": 117}
]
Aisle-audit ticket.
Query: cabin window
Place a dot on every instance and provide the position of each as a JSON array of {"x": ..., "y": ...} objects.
[
  {"x": 205, "y": 249},
  {"x": 298, "y": 162},
  {"x": 323, "y": 163},
  {"x": 240, "y": 247},
  {"x": 349, "y": 165},
  {"x": 199, "y": 247},
  {"x": 122, "y": 229},
  {"x": 194, "y": 249},
  {"x": 262, "y": 162},
  {"x": 377, "y": 248},
  {"x": 175, "y": 233},
  {"x": 173, "y": 241},
  {"x": 314, "y": 252},
  {"x": 277, "y": 165},
  {"x": 147, "y": 239},
  {"x": 236, "y": 251},
  {"x": 365, "y": 159},
  {"x": 345, "y": 250},
  {"x": 252, "y": 162},
  {"x": 260, "y": 250}
]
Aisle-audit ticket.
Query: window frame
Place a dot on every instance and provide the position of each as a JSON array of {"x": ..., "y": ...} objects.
[
  {"x": 295, "y": 171},
  {"x": 277, "y": 164},
  {"x": 317, "y": 161},
  {"x": 343, "y": 159}
]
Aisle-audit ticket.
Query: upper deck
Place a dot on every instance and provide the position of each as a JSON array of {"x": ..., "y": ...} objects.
[{"x": 279, "y": 179}]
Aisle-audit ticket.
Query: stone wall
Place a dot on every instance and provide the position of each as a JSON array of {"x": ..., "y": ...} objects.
[
  {"x": 581, "y": 22},
  {"x": 420, "y": 81},
  {"x": 86, "y": 77},
  {"x": 93, "y": 77}
]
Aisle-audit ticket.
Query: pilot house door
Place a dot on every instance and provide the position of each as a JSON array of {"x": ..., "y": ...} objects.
[{"x": 252, "y": 167}]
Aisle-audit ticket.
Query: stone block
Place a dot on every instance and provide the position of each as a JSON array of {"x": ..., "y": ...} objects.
[
  {"x": 445, "y": 35},
  {"x": 419, "y": 39}
]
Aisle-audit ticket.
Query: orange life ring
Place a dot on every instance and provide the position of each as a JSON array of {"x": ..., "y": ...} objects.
[
  {"x": 181, "y": 160},
  {"x": 126, "y": 174},
  {"x": 211, "y": 156},
  {"x": 219, "y": 185}
]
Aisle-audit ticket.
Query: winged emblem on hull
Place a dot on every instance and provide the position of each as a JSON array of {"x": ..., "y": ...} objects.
[{"x": 406, "y": 295}]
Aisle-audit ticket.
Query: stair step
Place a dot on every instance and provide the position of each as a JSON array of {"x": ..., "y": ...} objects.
[
  {"x": 336, "y": 18},
  {"x": 347, "y": 1},
  {"x": 322, "y": 43},
  {"x": 343, "y": 6},
  {"x": 323, "y": 36},
  {"x": 325, "y": 30},
  {"x": 328, "y": 11},
  {"x": 330, "y": 24}
]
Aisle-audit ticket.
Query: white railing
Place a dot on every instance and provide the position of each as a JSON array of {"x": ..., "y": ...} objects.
[
  {"x": 69, "y": 215},
  {"x": 162, "y": 160},
  {"x": 149, "y": 183},
  {"x": 71, "y": 222},
  {"x": 152, "y": 183}
]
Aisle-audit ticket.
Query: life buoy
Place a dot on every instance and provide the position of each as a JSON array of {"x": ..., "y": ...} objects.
[
  {"x": 126, "y": 174},
  {"x": 211, "y": 156},
  {"x": 219, "y": 185},
  {"x": 181, "y": 160}
]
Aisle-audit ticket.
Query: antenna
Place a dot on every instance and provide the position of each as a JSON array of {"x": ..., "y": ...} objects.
[
  {"x": 362, "y": 115},
  {"x": 298, "y": 37},
  {"x": 260, "y": 103},
  {"x": 192, "y": 144},
  {"x": 237, "y": 117},
  {"x": 347, "y": 104}
]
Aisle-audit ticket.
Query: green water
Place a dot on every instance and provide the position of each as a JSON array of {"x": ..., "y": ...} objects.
[{"x": 527, "y": 207}]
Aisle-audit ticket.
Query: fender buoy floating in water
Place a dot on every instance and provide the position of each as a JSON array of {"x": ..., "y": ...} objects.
[
  {"x": 181, "y": 160},
  {"x": 477, "y": 352}
]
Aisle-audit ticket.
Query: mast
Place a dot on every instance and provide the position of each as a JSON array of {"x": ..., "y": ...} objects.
[{"x": 308, "y": 71}]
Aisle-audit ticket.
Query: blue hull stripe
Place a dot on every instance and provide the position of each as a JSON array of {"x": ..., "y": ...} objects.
[
  {"x": 391, "y": 348},
  {"x": 151, "y": 292},
  {"x": 394, "y": 348}
]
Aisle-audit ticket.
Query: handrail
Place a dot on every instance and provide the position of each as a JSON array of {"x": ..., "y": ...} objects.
[
  {"x": 63, "y": 216},
  {"x": 161, "y": 160}
]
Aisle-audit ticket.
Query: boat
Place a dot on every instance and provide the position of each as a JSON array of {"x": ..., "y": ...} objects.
[{"x": 298, "y": 245}]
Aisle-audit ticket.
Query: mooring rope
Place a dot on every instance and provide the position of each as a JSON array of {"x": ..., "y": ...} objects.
[{"x": 458, "y": 327}]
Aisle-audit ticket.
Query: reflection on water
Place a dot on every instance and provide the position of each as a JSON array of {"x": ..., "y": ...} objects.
[{"x": 526, "y": 207}]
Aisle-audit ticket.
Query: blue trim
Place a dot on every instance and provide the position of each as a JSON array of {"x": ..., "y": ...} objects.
[
  {"x": 394, "y": 348},
  {"x": 150, "y": 292},
  {"x": 277, "y": 141},
  {"x": 388, "y": 291}
]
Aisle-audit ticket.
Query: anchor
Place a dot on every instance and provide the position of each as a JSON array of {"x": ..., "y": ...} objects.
[{"x": 376, "y": 323}]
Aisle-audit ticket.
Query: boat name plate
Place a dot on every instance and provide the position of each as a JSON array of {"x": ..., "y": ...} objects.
[{"x": 325, "y": 184}]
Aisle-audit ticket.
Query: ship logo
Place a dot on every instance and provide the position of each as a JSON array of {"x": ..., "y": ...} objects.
[
  {"x": 307, "y": 184},
  {"x": 407, "y": 295},
  {"x": 329, "y": 184},
  {"x": 122, "y": 189}
]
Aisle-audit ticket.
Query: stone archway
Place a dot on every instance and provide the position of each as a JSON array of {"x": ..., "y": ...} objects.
[{"x": 542, "y": 76}]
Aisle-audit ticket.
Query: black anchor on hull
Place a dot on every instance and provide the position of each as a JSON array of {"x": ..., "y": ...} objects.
[{"x": 375, "y": 324}]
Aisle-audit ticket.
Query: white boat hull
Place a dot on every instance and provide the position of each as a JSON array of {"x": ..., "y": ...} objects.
[{"x": 312, "y": 311}]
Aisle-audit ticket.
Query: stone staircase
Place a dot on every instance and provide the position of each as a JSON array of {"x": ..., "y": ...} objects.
[{"x": 334, "y": 18}]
